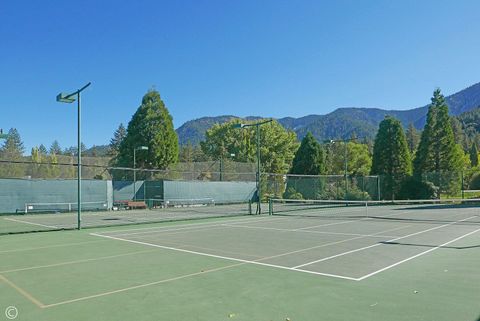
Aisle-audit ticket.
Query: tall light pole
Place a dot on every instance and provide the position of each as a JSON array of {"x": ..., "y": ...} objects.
[
  {"x": 70, "y": 98},
  {"x": 222, "y": 165},
  {"x": 257, "y": 176},
  {"x": 134, "y": 170}
]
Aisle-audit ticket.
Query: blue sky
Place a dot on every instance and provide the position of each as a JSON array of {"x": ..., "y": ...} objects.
[{"x": 208, "y": 58}]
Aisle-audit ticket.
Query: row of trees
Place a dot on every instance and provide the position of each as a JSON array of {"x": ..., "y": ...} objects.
[
  {"x": 433, "y": 167},
  {"x": 409, "y": 164},
  {"x": 403, "y": 159}
]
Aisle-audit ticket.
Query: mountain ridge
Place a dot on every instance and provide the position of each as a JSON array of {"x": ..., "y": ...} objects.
[{"x": 342, "y": 122}]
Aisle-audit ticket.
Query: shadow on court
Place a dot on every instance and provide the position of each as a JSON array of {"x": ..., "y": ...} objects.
[
  {"x": 432, "y": 246},
  {"x": 425, "y": 220}
]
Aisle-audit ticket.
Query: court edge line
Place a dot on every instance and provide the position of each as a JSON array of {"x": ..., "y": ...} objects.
[
  {"x": 366, "y": 218},
  {"x": 31, "y": 223},
  {"x": 24, "y": 293},
  {"x": 214, "y": 221},
  {"x": 305, "y": 231},
  {"x": 417, "y": 255},
  {"x": 141, "y": 286},
  {"x": 179, "y": 226},
  {"x": 76, "y": 261},
  {"x": 223, "y": 257},
  {"x": 208, "y": 248},
  {"x": 378, "y": 244},
  {"x": 266, "y": 258},
  {"x": 47, "y": 247},
  {"x": 246, "y": 220},
  {"x": 169, "y": 231},
  {"x": 241, "y": 262},
  {"x": 294, "y": 251}
]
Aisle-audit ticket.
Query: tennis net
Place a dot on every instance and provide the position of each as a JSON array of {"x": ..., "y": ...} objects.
[{"x": 445, "y": 209}]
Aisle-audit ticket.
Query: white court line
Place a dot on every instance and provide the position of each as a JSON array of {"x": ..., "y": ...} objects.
[
  {"x": 222, "y": 257},
  {"x": 76, "y": 261},
  {"x": 139, "y": 286},
  {"x": 162, "y": 228},
  {"x": 328, "y": 244},
  {"x": 31, "y": 223},
  {"x": 257, "y": 261},
  {"x": 168, "y": 231},
  {"x": 367, "y": 218},
  {"x": 47, "y": 247},
  {"x": 417, "y": 255},
  {"x": 305, "y": 231},
  {"x": 378, "y": 244},
  {"x": 186, "y": 227}
]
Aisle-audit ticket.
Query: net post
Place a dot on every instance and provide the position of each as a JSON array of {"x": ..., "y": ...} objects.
[
  {"x": 250, "y": 206},
  {"x": 366, "y": 209},
  {"x": 270, "y": 206}
]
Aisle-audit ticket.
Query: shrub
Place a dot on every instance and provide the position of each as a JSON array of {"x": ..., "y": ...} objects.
[
  {"x": 415, "y": 189},
  {"x": 475, "y": 182}
]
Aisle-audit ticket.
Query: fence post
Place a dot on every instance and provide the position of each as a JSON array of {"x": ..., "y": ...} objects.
[{"x": 378, "y": 187}]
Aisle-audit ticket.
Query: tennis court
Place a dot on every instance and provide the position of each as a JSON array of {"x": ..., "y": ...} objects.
[{"x": 335, "y": 260}]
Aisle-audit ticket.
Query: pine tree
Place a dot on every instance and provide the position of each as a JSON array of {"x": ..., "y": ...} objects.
[
  {"x": 150, "y": 126},
  {"x": 437, "y": 152},
  {"x": 13, "y": 145},
  {"x": 42, "y": 149},
  {"x": 474, "y": 155},
  {"x": 186, "y": 153},
  {"x": 12, "y": 149},
  {"x": 55, "y": 148},
  {"x": 413, "y": 138},
  {"x": 118, "y": 137},
  {"x": 391, "y": 156},
  {"x": 309, "y": 158}
]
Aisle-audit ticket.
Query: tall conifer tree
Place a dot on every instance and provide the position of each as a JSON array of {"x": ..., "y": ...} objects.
[
  {"x": 150, "y": 126},
  {"x": 391, "y": 156},
  {"x": 413, "y": 137},
  {"x": 438, "y": 155},
  {"x": 118, "y": 137},
  {"x": 437, "y": 151},
  {"x": 474, "y": 155},
  {"x": 309, "y": 158}
]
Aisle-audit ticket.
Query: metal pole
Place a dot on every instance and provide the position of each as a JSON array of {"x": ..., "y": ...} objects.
[
  {"x": 346, "y": 170},
  {"x": 463, "y": 189},
  {"x": 79, "y": 165},
  {"x": 134, "y": 176},
  {"x": 259, "y": 194},
  {"x": 221, "y": 168}
]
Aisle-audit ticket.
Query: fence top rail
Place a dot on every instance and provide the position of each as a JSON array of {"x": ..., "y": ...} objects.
[
  {"x": 319, "y": 176},
  {"x": 382, "y": 202}
]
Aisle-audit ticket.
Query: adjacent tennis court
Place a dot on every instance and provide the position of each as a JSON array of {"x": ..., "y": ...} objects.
[{"x": 363, "y": 261}]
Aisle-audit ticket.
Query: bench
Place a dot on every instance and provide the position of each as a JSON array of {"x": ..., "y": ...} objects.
[{"x": 136, "y": 204}]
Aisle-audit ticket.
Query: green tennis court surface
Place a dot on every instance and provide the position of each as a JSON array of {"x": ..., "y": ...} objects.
[{"x": 396, "y": 263}]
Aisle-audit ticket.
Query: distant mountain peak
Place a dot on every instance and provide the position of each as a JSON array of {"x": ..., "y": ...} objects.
[{"x": 340, "y": 123}]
